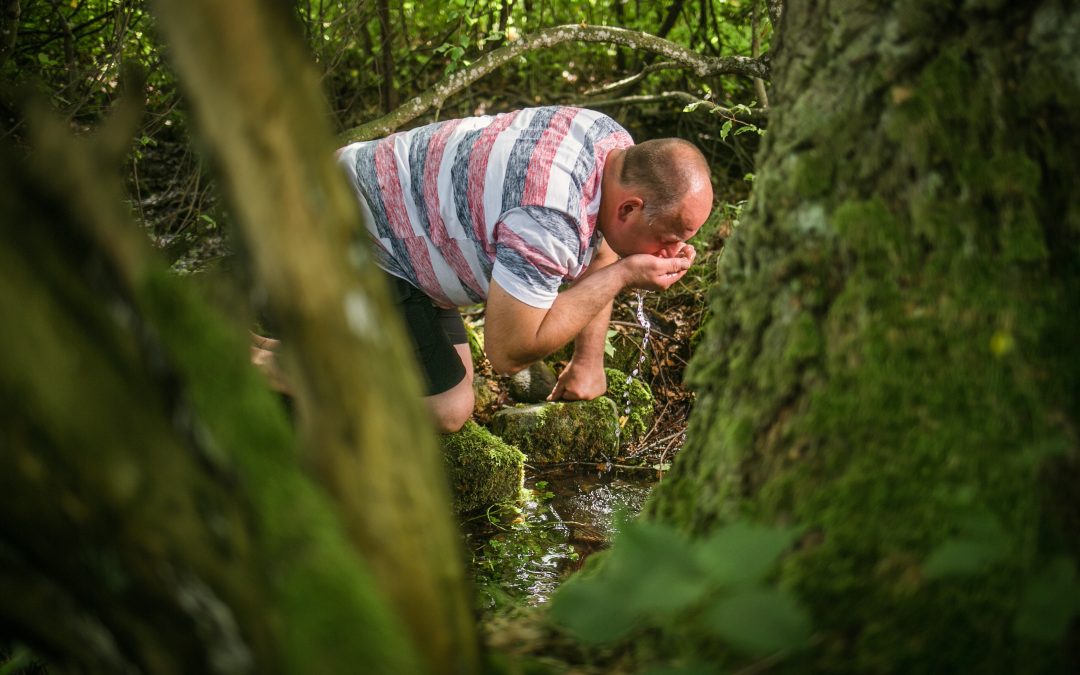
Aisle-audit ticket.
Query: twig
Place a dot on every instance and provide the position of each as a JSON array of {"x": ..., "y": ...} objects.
[
  {"x": 689, "y": 99},
  {"x": 637, "y": 77}
]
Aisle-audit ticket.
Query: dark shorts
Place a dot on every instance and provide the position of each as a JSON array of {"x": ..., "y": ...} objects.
[{"x": 434, "y": 332}]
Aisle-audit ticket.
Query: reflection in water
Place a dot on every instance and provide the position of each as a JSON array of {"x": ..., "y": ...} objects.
[{"x": 572, "y": 513}]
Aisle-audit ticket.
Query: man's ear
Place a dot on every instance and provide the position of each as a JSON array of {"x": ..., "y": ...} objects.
[{"x": 628, "y": 205}]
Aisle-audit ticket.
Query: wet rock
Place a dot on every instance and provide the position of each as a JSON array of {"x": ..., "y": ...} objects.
[
  {"x": 581, "y": 431},
  {"x": 533, "y": 384},
  {"x": 640, "y": 418},
  {"x": 483, "y": 468}
]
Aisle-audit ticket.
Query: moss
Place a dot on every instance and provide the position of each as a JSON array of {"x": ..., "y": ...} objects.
[
  {"x": 475, "y": 335},
  {"x": 640, "y": 419},
  {"x": 813, "y": 173},
  {"x": 319, "y": 582},
  {"x": 560, "y": 431},
  {"x": 483, "y": 469},
  {"x": 908, "y": 406}
]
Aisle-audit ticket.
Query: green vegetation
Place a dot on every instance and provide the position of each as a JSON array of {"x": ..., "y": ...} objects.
[{"x": 483, "y": 469}]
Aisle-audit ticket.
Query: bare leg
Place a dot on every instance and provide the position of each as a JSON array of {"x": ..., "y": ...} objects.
[{"x": 452, "y": 408}]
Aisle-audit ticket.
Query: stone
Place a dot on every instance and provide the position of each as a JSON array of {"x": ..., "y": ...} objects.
[
  {"x": 562, "y": 431},
  {"x": 641, "y": 416},
  {"x": 483, "y": 469},
  {"x": 533, "y": 384}
]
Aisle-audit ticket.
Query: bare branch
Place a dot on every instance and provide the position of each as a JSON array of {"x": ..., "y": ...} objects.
[
  {"x": 742, "y": 114},
  {"x": 702, "y": 66},
  {"x": 637, "y": 77}
]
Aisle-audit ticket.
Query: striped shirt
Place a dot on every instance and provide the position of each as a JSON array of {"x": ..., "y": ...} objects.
[{"x": 513, "y": 197}]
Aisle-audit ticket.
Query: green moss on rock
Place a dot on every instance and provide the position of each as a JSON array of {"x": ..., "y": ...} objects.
[
  {"x": 641, "y": 416},
  {"x": 483, "y": 468},
  {"x": 560, "y": 432}
]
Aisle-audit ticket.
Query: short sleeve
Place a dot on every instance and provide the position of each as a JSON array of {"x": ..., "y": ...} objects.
[{"x": 536, "y": 249}]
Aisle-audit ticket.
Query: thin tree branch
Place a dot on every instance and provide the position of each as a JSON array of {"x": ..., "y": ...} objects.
[
  {"x": 755, "y": 114},
  {"x": 702, "y": 66},
  {"x": 637, "y": 77},
  {"x": 755, "y": 51}
]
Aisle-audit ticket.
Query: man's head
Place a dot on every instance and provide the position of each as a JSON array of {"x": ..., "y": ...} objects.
[{"x": 655, "y": 196}]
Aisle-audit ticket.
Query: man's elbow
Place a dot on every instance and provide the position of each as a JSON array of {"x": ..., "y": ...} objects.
[{"x": 503, "y": 364}]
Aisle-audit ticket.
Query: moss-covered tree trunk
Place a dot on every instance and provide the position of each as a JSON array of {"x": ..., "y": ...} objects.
[
  {"x": 257, "y": 100},
  {"x": 892, "y": 361},
  {"x": 158, "y": 515},
  {"x": 155, "y": 515}
]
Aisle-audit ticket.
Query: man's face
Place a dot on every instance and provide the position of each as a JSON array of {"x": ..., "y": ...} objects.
[{"x": 664, "y": 236}]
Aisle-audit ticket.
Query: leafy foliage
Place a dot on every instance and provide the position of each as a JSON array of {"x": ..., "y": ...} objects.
[{"x": 657, "y": 579}]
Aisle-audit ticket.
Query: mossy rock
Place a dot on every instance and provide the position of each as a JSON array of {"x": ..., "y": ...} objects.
[
  {"x": 533, "y": 384},
  {"x": 483, "y": 469},
  {"x": 641, "y": 416},
  {"x": 485, "y": 392},
  {"x": 566, "y": 431}
]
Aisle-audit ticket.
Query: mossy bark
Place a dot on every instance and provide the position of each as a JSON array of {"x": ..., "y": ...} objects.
[
  {"x": 892, "y": 361},
  {"x": 256, "y": 99},
  {"x": 155, "y": 516}
]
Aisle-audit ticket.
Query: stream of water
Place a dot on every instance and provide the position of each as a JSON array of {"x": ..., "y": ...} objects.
[{"x": 572, "y": 514}]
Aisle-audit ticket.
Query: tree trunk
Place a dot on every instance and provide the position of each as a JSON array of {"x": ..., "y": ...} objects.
[
  {"x": 363, "y": 426},
  {"x": 892, "y": 361},
  {"x": 156, "y": 514},
  {"x": 155, "y": 517}
]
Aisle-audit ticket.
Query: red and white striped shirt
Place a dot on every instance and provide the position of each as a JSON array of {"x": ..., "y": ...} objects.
[{"x": 513, "y": 197}]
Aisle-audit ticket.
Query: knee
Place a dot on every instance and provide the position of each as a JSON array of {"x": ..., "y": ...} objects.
[{"x": 454, "y": 410}]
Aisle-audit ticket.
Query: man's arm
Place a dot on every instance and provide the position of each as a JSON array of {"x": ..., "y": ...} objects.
[
  {"x": 584, "y": 378},
  {"x": 517, "y": 334}
]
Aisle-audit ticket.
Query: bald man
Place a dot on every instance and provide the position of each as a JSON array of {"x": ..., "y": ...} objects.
[{"x": 508, "y": 210}]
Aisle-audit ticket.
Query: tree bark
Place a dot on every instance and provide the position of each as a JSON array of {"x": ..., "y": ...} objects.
[
  {"x": 363, "y": 427},
  {"x": 891, "y": 362},
  {"x": 155, "y": 516}
]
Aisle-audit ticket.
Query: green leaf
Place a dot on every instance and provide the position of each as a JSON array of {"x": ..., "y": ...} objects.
[
  {"x": 742, "y": 553},
  {"x": 725, "y": 130},
  {"x": 609, "y": 348},
  {"x": 966, "y": 555},
  {"x": 1050, "y": 602},
  {"x": 594, "y": 611},
  {"x": 760, "y": 621},
  {"x": 691, "y": 107},
  {"x": 656, "y": 569}
]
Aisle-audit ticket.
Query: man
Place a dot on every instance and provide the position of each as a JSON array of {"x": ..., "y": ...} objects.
[{"x": 507, "y": 209}]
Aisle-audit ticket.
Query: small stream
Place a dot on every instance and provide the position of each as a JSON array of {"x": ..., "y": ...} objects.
[{"x": 522, "y": 557}]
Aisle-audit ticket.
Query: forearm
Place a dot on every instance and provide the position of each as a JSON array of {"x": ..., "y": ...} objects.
[
  {"x": 581, "y": 312},
  {"x": 589, "y": 343}
]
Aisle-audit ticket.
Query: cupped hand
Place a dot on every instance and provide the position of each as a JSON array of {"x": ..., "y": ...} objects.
[{"x": 654, "y": 273}]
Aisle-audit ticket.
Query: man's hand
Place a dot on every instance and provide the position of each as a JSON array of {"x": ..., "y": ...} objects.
[
  {"x": 658, "y": 273},
  {"x": 579, "y": 383}
]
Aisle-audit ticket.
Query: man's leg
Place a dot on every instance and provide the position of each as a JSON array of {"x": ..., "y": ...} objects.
[
  {"x": 452, "y": 408},
  {"x": 442, "y": 350}
]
